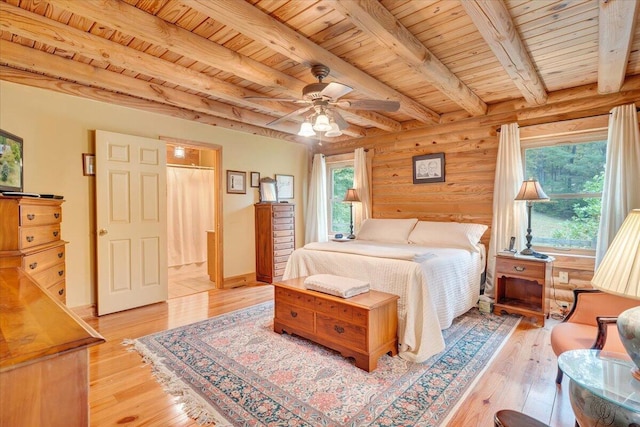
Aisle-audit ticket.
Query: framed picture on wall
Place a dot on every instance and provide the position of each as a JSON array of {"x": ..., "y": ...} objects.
[
  {"x": 428, "y": 168},
  {"x": 285, "y": 186},
  {"x": 88, "y": 164},
  {"x": 255, "y": 179},
  {"x": 236, "y": 182}
]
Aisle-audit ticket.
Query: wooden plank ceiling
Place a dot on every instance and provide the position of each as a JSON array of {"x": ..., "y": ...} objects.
[{"x": 207, "y": 60}]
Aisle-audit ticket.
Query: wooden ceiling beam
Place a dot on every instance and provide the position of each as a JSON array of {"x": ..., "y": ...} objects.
[
  {"x": 371, "y": 17},
  {"x": 18, "y": 56},
  {"x": 137, "y": 23},
  {"x": 496, "y": 26},
  {"x": 617, "y": 19},
  {"x": 252, "y": 22},
  {"x": 27, "y": 78}
]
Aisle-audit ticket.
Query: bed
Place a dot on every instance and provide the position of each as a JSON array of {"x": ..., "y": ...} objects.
[{"x": 434, "y": 267}]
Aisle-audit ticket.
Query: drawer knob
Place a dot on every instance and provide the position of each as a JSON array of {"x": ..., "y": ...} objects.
[
  {"x": 33, "y": 265},
  {"x": 293, "y": 313},
  {"x": 30, "y": 239},
  {"x": 56, "y": 215},
  {"x": 55, "y": 233},
  {"x": 519, "y": 268},
  {"x": 31, "y": 217},
  {"x": 60, "y": 254},
  {"x": 61, "y": 291},
  {"x": 60, "y": 273},
  {"x": 338, "y": 329}
]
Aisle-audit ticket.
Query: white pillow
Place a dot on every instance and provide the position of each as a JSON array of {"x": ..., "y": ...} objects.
[
  {"x": 386, "y": 230},
  {"x": 447, "y": 234}
]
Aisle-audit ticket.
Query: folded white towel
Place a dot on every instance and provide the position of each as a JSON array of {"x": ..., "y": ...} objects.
[{"x": 339, "y": 286}]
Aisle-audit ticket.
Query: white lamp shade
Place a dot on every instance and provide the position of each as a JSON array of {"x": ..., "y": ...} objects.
[
  {"x": 334, "y": 131},
  {"x": 322, "y": 123},
  {"x": 619, "y": 271},
  {"x": 306, "y": 129},
  {"x": 531, "y": 190}
]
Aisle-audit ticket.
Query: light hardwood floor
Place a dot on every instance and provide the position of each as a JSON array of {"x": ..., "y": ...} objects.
[{"x": 124, "y": 393}]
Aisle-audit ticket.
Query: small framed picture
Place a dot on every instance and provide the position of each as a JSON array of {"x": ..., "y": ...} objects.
[
  {"x": 428, "y": 168},
  {"x": 88, "y": 164},
  {"x": 255, "y": 179},
  {"x": 285, "y": 186},
  {"x": 236, "y": 182}
]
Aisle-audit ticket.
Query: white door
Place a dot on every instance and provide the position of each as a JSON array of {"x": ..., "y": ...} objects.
[{"x": 131, "y": 221}]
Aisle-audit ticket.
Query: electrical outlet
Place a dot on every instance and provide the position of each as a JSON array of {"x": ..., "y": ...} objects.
[{"x": 563, "y": 277}]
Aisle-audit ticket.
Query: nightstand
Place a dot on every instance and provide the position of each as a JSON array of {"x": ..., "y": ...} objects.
[{"x": 521, "y": 284}]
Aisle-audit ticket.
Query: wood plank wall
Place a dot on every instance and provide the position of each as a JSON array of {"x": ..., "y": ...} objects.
[{"x": 470, "y": 145}]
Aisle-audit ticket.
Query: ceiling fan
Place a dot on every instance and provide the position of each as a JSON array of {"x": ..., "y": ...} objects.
[{"x": 321, "y": 100}]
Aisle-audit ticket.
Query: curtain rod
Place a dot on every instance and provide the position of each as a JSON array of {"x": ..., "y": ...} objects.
[
  {"x": 577, "y": 118},
  {"x": 173, "y": 165}
]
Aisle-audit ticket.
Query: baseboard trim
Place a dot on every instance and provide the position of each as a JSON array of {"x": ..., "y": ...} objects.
[{"x": 237, "y": 281}]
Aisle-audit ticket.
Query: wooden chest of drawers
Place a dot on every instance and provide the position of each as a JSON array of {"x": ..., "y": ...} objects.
[
  {"x": 30, "y": 238},
  {"x": 275, "y": 239},
  {"x": 363, "y": 327}
]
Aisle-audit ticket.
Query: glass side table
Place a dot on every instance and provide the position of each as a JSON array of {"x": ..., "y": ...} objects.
[{"x": 602, "y": 390}]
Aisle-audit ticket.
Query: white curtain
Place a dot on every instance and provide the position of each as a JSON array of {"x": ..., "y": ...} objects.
[
  {"x": 362, "y": 184},
  {"x": 621, "y": 190},
  {"x": 316, "y": 217},
  {"x": 189, "y": 214},
  {"x": 509, "y": 216}
]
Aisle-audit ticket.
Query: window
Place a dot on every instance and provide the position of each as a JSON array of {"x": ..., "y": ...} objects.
[
  {"x": 572, "y": 175},
  {"x": 339, "y": 180}
]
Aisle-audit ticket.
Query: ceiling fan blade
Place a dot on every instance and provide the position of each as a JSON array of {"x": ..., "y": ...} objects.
[
  {"x": 263, "y": 98},
  {"x": 369, "y": 104},
  {"x": 335, "y": 90},
  {"x": 291, "y": 114},
  {"x": 340, "y": 121}
]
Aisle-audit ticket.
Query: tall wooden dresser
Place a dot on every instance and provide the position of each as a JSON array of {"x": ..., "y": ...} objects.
[
  {"x": 30, "y": 238},
  {"x": 275, "y": 239}
]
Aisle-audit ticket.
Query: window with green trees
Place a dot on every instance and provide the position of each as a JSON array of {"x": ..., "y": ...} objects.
[
  {"x": 340, "y": 179},
  {"x": 572, "y": 175}
]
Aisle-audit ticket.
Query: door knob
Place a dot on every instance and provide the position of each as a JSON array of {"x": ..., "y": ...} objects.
[{"x": 102, "y": 232}]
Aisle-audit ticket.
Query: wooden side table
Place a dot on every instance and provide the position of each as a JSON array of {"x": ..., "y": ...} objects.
[{"x": 521, "y": 286}]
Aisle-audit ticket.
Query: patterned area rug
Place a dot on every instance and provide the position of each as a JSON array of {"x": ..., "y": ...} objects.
[{"x": 234, "y": 370}]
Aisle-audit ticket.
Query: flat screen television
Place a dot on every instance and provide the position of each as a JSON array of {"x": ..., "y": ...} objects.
[{"x": 11, "y": 176}]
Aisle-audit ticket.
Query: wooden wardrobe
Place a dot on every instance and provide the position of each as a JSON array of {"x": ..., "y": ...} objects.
[{"x": 275, "y": 239}]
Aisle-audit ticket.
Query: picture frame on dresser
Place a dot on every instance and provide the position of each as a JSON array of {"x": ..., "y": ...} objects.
[{"x": 11, "y": 162}]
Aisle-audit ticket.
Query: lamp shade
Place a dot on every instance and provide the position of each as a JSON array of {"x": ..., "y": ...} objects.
[
  {"x": 351, "y": 196},
  {"x": 334, "y": 131},
  {"x": 619, "y": 271},
  {"x": 322, "y": 123},
  {"x": 306, "y": 129},
  {"x": 531, "y": 190}
]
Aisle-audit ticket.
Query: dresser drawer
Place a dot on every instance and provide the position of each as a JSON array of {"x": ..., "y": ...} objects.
[
  {"x": 283, "y": 233},
  {"x": 335, "y": 309},
  {"x": 296, "y": 316},
  {"x": 281, "y": 259},
  {"x": 341, "y": 332},
  {"x": 59, "y": 291},
  {"x": 51, "y": 275},
  {"x": 283, "y": 221},
  {"x": 282, "y": 252},
  {"x": 280, "y": 246},
  {"x": 285, "y": 239},
  {"x": 36, "y": 236},
  {"x": 40, "y": 215},
  {"x": 40, "y": 261},
  {"x": 283, "y": 214},
  {"x": 530, "y": 270},
  {"x": 282, "y": 208},
  {"x": 279, "y": 227}
]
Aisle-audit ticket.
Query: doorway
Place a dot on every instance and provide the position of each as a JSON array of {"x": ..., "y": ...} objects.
[{"x": 193, "y": 217}]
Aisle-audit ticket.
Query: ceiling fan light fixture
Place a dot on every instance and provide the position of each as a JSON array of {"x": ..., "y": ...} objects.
[
  {"x": 322, "y": 123},
  {"x": 306, "y": 129},
  {"x": 334, "y": 131}
]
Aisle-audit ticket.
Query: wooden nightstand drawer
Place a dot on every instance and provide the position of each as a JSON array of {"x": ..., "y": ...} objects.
[
  {"x": 520, "y": 268},
  {"x": 336, "y": 309}
]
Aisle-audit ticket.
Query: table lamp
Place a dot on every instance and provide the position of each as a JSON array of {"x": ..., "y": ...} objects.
[
  {"x": 351, "y": 196},
  {"x": 619, "y": 273},
  {"x": 530, "y": 191}
]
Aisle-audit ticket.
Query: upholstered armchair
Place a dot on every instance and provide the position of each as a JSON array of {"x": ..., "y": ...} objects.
[{"x": 591, "y": 323}]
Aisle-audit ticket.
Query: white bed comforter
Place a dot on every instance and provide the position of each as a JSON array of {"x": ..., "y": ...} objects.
[{"x": 432, "y": 292}]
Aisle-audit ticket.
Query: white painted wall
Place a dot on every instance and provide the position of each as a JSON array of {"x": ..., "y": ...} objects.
[{"x": 58, "y": 128}]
